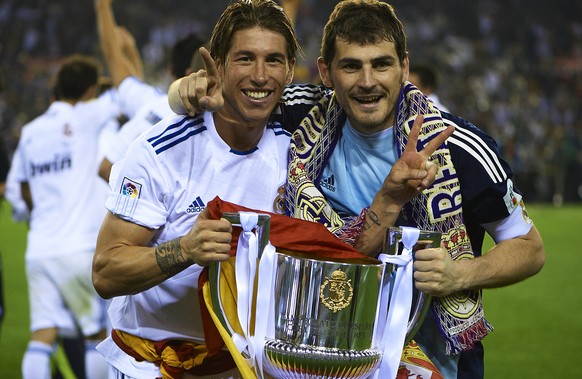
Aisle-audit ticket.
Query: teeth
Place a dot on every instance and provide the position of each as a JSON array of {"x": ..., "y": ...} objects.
[
  {"x": 368, "y": 99},
  {"x": 257, "y": 95}
]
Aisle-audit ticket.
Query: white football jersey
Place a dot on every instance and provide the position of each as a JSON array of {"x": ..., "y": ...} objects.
[
  {"x": 57, "y": 156},
  {"x": 165, "y": 180}
]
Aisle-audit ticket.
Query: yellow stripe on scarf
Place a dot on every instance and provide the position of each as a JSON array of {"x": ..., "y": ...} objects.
[
  {"x": 168, "y": 360},
  {"x": 245, "y": 370}
]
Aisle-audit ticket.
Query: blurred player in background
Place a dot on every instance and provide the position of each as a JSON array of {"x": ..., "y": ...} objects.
[{"x": 57, "y": 168}]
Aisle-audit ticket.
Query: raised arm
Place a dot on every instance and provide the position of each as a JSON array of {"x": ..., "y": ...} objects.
[
  {"x": 410, "y": 175},
  {"x": 120, "y": 53},
  {"x": 124, "y": 263}
]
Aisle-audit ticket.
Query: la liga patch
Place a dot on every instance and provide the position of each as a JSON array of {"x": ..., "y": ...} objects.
[{"x": 130, "y": 188}]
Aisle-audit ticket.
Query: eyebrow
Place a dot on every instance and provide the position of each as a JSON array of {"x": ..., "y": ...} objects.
[
  {"x": 383, "y": 58},
  {"x": 249, "y": 52}
]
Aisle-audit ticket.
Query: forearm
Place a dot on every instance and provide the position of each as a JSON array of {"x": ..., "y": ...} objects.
[
  {"x": 26, "y": 195},
  {"x": 106, "y": 29},
  {"x": 381, "y": 215},
  {"x": 174, "y": 99},
  {"x": 110, "y": 42},
  {"x": 133, "y": 269},
  {"x": 124, "y": 263},
  {"x": 508, "y": 262}
]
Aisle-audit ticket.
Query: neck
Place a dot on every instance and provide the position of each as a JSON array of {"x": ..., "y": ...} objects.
[{"x": 237, "y": 134}]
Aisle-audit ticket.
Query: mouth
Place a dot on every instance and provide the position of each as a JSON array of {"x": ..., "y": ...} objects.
[
  {"x": 257, "y": 95},
  {"x": 368, "y": 99}
]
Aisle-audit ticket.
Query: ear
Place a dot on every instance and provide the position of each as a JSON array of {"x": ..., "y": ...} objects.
[
  {"x": 291, "y": 71},
  {"x": 405, "y": 68},
  {"x": 220, "y": 67},
  {"x": 324, "y": 73}
]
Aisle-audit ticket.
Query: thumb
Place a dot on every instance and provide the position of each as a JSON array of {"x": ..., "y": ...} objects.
[
  {"x": 206, "y": 214},
  {"x": 211, "y": 103}
]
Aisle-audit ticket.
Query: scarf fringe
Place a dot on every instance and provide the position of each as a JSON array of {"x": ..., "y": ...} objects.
[{"x": 466, "y": 340}]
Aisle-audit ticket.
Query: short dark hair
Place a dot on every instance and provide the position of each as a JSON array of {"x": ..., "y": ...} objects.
[
  {"x": 182, "y": 53},
  {"x": 75, "y": 76},
  {"x": 363, "y": 22},
  {"x": 246, "y": 14}
]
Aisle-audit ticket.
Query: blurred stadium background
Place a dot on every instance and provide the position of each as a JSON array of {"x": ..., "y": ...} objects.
[{"x": 513, "y": 68}]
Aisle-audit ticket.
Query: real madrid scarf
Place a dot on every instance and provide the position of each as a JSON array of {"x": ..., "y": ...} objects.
[{"x": 438, "y": 208}]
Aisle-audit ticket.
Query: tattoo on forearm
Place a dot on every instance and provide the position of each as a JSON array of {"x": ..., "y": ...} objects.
[
  {"x": 170, "y": 258},
  {"x": 371, "y": 217}
]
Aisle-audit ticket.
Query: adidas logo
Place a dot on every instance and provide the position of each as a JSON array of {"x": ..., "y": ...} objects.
[
  {"x": 197, "y": 206},
  {"x": 329, "y": 183}
]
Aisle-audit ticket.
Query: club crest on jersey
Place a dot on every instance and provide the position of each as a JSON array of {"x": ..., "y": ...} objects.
[
  {"x": 279, "y": 202},
  {"x": 196, "y": 206},
  {"x": 130, "y": 188},
  {"x": 511, "y": 198}
]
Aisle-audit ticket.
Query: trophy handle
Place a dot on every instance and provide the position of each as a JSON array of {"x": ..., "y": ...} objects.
[
  {"x": 263, "y": 229},
  {"x": 420, "y": 301}
]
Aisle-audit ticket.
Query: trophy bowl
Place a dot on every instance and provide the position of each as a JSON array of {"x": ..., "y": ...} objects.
[{"x": 325, "y": 314}]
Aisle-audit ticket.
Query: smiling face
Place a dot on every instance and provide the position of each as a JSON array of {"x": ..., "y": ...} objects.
[
  {"x": 367, "y": 79},
  {"x": 255, "y": 72}
]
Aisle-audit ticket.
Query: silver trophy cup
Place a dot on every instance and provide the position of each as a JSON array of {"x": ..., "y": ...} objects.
[{"x": 326, "y": 311}]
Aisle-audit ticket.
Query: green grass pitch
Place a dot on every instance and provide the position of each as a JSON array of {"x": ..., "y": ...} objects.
[{"x": 538, "y": 322}]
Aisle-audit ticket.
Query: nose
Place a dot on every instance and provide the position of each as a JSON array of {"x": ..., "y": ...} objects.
[
  {"x": 259, "y": 73},
  {"x": 367, "y": 79}
]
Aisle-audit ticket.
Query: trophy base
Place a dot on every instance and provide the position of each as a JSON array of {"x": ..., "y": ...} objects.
[{"x": 287, "y": 361}]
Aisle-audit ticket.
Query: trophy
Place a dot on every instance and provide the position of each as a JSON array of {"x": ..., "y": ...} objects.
[{"x": 325, "y": 312}]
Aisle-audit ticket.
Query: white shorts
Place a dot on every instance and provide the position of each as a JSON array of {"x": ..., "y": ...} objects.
[{"x": 61, "y": 294}]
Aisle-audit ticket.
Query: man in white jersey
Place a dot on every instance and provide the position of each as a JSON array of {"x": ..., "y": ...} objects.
[
  {"x": 157, "y": 236},
  {"x": 57, "y": 168},
  {"x": 365, "y": 130}
]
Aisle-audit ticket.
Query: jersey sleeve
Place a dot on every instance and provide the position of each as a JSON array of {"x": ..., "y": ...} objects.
[
  {"x": 138, "y": 187},
  {"x": 133, "y": 93},
  {"x": 296, "y": 101},
  {"x": 17, "y": 171},
  {"x": 13, "y": 194},
  {"x": 516, "y": 224},
  {"x": 487, "y": 189}
]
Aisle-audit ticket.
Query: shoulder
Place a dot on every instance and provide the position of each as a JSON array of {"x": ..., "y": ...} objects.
[
  {"x": 296, "y": 102},
  {"x": 466, "y": 130},
  {"x": 303, "y": 94},
  {"x": 278, "y": 130},
  {"x": 474, "y": 147},
  {"x": 57, "y": 111},
  {"x": 173, "y": 132}
]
